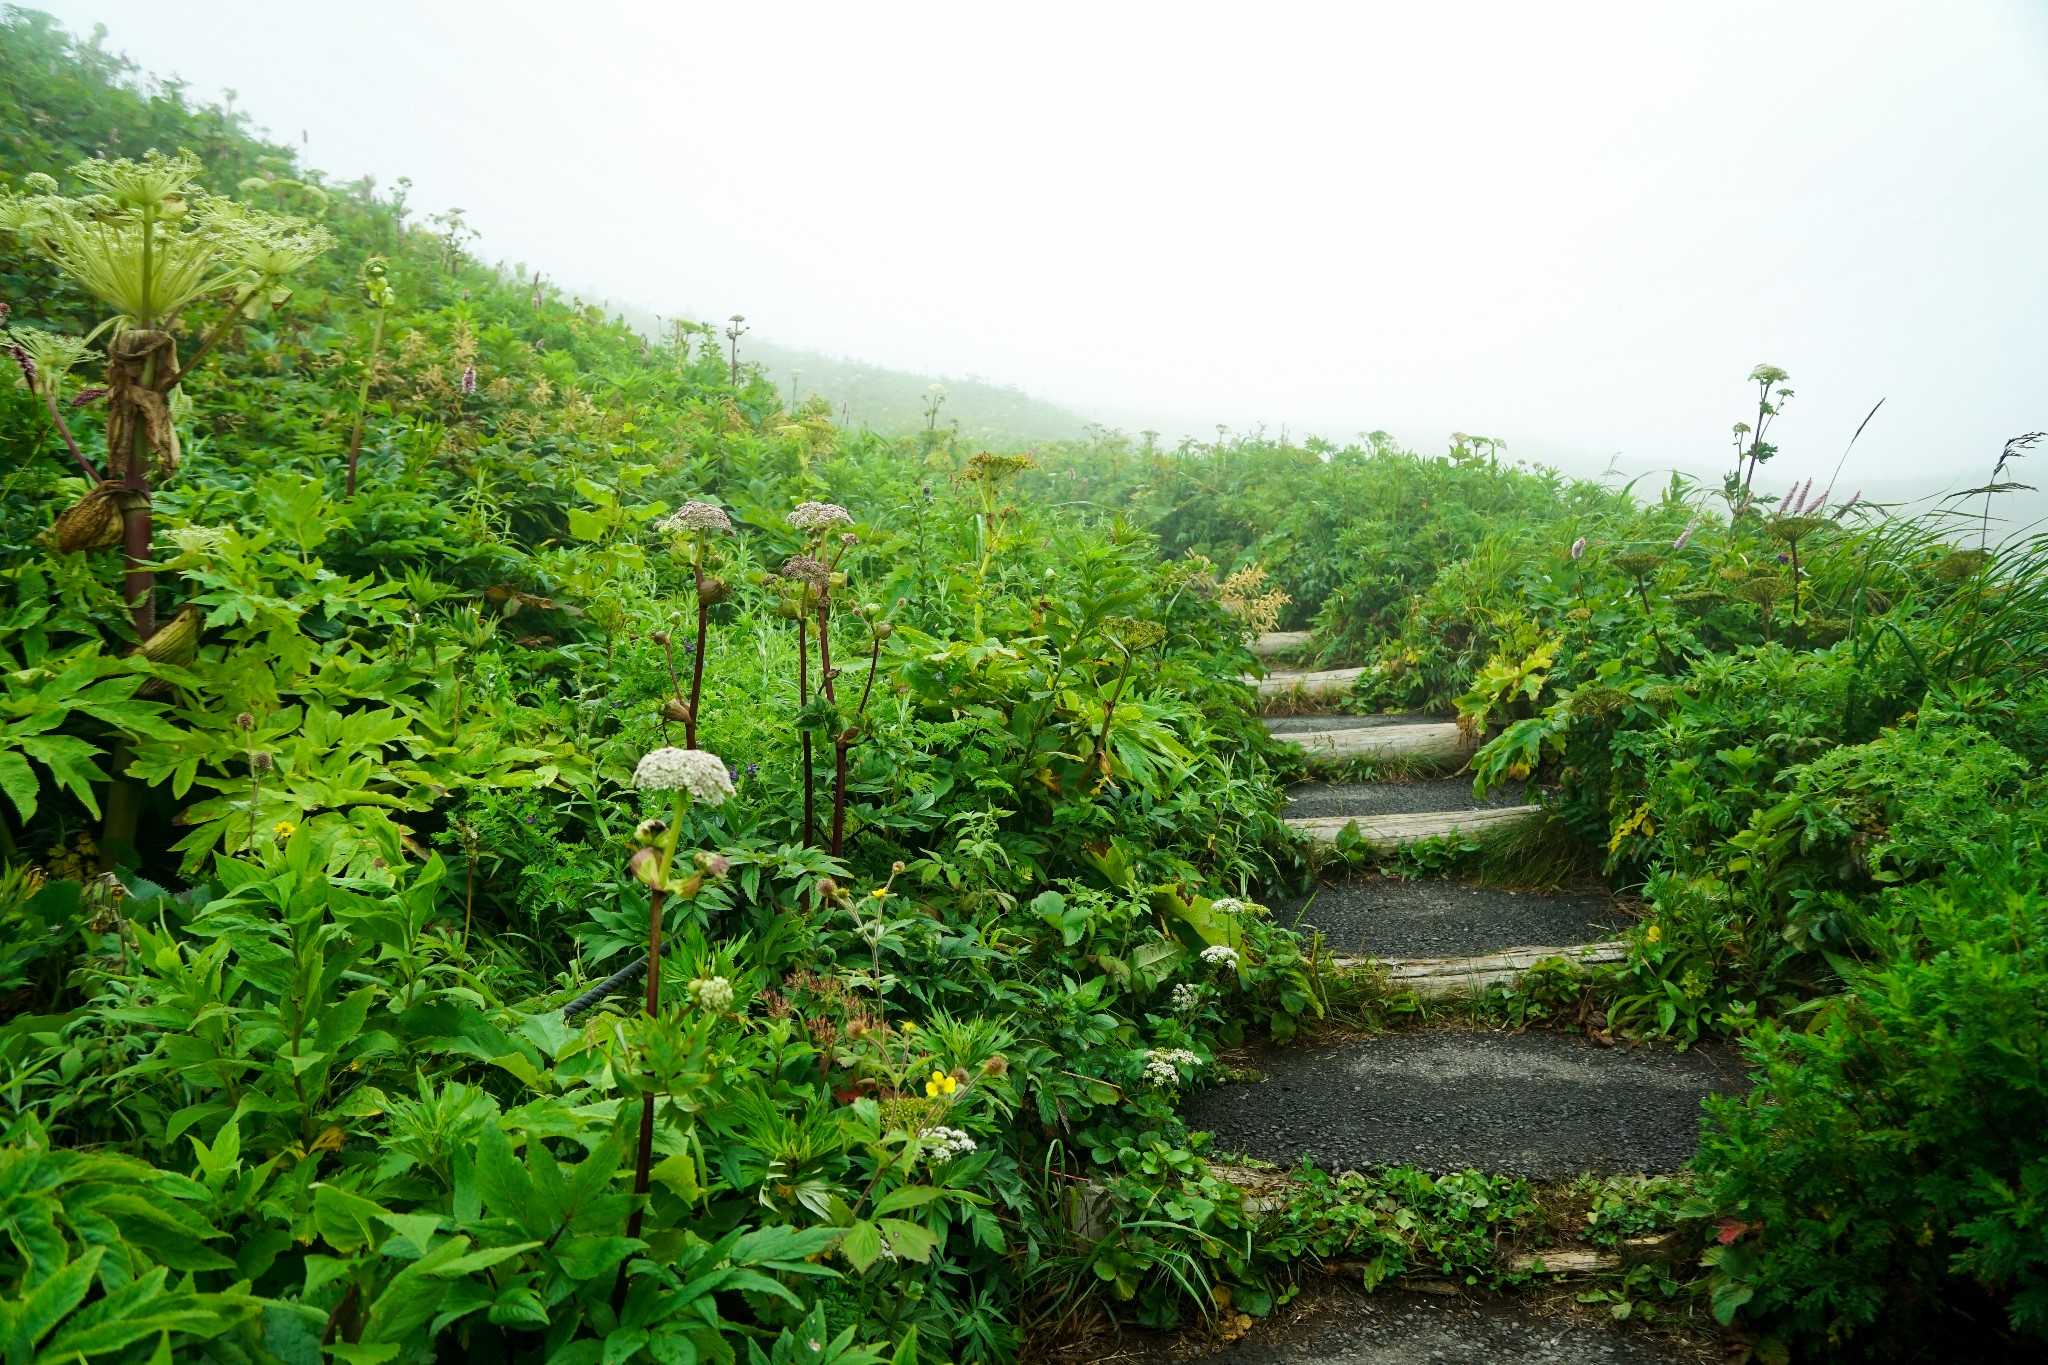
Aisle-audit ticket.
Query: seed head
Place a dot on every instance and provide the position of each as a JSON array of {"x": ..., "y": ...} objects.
[
  {"x": 696, "y": 516},
  {"x": 818, "y": 516}
]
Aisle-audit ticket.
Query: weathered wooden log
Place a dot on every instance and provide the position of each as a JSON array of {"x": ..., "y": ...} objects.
[
  {"x": 1413, "y": 742},
  {"x": 1276, "y": 642},
  {"x": 1385, "y": 833},
  {"x": 1446, "y": 977},
  {"x": 1322, "y": 682}
]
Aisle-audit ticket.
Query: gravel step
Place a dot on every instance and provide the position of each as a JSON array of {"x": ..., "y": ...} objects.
[
  {"x": 1387, "y": 918},
  {"x": 1385, "y": 833},
  {"x": 1340, "y": 1324},
  {"x": 1321, "y": 682},
  {"x": 1542, "y": 1105}
]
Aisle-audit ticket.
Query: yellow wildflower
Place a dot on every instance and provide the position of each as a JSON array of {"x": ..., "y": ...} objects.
[
  {"x": 1654, "y": 933},
  {"x": 284, "y": 829},
  {"x": 940, "y": 1084}
]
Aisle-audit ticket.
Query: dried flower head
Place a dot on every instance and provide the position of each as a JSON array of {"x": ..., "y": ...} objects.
[
  {"x": 805, "y": 569},
  {"x": 818, "y": 516},
  {"x": 695, "y": 771},
  {"x": 996, "y": 469},
  {"x": 695, "y": 516}
]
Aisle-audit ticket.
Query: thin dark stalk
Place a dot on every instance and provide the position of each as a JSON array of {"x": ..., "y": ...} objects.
[
  {"x": 803, "y": 698},
  {"x": 697, "y": 661},
  {"x": 838, "y": 738},
  {"x": 644, "y": 1161},
  {"x": 64, "y": 430},
  {"x": 1643, "y": 591}
]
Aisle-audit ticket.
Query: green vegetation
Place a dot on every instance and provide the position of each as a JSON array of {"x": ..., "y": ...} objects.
[{"x": 362, "y": 605}]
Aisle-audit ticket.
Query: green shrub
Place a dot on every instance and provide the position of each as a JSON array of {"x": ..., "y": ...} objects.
[{"x": 1891, "y": 1164}]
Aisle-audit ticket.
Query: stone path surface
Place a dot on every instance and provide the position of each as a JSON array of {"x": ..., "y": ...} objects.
[
  {"x": 1340, "y": 1325},
  {"x": 1538, "y": 1104},
  {"x": 1386, "y": 917}
]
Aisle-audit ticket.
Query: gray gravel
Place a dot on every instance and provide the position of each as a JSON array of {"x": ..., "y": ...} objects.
[
  {"x": 1388, "y": 917},
  {"x": 1311, "y": 725},
  {"x": 1418, "y": 796},
  {"x": 1346, "y": 1327},
  {"x": 1540, "y": 1104}
]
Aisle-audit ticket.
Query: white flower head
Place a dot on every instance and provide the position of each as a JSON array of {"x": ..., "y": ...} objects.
[
  {"x": 703, "y": 775},
  {"x": 943, "y": 1144},
  {"x": 1187, "y": 998},
  {"x": 200, "y": 540},
  {"x": 1162, "y": 1065},
  {"x": 695, "y": 516},
  {"x": 1230, "y": 905},
  {"x": 713, "y": 994},
  {"x": 1217, "y": 955},
  {"x": 818, "y": 516}
]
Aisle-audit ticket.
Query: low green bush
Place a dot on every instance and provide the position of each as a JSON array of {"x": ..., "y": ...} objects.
[{"x": 1887, "y": 1178}]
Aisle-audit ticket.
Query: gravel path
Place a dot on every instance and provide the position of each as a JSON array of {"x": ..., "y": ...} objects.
[
  {"x": 1310, "y": 725},
  {"x": 1343, "y": 1326},
  {"x": 1417, "y": 797},
  {"x": 1388, "y": 917},
  {"x": 1540, "y": 1104}
]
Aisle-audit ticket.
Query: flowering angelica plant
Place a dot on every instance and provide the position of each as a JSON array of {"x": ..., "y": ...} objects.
[{"x": 689, "y": 775}]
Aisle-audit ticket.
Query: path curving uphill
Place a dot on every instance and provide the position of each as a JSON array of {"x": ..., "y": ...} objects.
[{"x": 1543, "y": 1105}]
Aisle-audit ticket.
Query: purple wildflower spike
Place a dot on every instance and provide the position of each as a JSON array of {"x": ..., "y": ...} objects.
[
  {"x": 1685, "y": 535},
  {"x": 28, "y": 365},
  {"x": 86, "y": 396},
  {"x": 468, "y": 380},
  {"x": 1579, "y": 548}
]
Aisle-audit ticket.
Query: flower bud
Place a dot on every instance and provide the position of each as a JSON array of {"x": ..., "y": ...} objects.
[
  {"x": 897, "y": 866},
  {"x": 716, "y": 590},
  {"x": 677, "y": 710},
  {"x": 714, "y": 864},
  {"x": 659, "y": 637},
  {"x": 645, "y": 866},
  {"x": 995, "y": 1066},
  {"x": 650, "y": 830},
  {"x": 245, "y": 721},
  {"x": 261, "y": 761}
]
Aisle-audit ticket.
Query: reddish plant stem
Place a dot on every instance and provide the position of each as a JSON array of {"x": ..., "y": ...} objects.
[
  {"x": 803, "y": 698},
  {"x": 643, "y": 1161},
  {"x": 64, "y": 430},
  {"x": 697, "y": 661}
]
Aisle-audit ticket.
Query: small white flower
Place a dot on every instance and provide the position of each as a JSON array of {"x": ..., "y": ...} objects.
[
  {"x": 695, "y": 516},
  {"x": 713, "y": 994},
  {"x": 816, "y": 516},
  {"x": 1231, "y": 905},
  {"x": 1187, "y": 998},
  {"x": 1217, "y": 955},
  {"x": 1162, "y": 1065},
  {"x": 700, "y": 773},
  {"x": 943, "y": 1144},
  {"x": 200, "y": 540}
]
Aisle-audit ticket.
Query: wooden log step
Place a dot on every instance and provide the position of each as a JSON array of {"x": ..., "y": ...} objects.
[
  {"x": 1275, "y": 642},
  {"x": 1415, "y": 742},
  {"x": 1441, "y": 978},
  {"x": 1385, "y": 833},
  {"x": 1321, "y": 682}
]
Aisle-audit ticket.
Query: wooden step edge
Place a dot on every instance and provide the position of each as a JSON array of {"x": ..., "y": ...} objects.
[
  {"x": 1321, "y": 682},
  {"x": 1281, "y": 642},
  {"x": 1415, "y": 740},
  {"x": 1384, "y": 833},
  {"x": 1441, "y": 977}
]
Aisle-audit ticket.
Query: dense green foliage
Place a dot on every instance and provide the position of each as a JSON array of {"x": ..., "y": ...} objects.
[
  {"x": 1761, "y": 713},
  {"x": 301, "y": 872},
  {"x": 376, "y": 758}
]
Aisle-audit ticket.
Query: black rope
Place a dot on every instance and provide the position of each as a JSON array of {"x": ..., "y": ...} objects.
[{"x": 618, "y": 980}]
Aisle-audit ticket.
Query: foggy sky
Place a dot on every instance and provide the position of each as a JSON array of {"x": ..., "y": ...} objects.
[{"x": 1574, "y": 226}]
